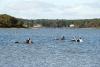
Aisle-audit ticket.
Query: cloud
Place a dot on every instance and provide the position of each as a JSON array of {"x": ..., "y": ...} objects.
[
  {"x": 27, "y": 8},
  {"x": 51, "y": 9},
  {"x": 82, "y": 10}
]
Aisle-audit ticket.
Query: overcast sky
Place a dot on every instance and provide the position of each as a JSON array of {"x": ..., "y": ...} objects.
[{"x": 51, "y": 9}]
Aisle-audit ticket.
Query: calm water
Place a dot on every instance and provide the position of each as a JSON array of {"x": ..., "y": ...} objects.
[{"x": 48, "y": 52}]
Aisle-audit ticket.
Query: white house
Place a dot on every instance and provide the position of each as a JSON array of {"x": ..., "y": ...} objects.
[
  {"x": 71, "y": 25},
  {"x": 37, "y": 25}
]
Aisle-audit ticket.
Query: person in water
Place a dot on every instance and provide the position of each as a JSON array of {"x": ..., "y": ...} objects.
[
  {"x": 29, "y": 41},
  {"x": 77, "y": 39},
  {"x": 63, "y": 38},
  {"x": 80, "y": 40}
]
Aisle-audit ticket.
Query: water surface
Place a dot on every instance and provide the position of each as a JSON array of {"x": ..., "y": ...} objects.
[{"x": 48, "y": 52}]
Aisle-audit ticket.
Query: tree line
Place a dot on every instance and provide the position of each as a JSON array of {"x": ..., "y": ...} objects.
[{"x": 9, "y": 21}]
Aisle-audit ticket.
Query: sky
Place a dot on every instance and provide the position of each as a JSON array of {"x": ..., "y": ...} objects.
[{"x": 51, "y": 9}]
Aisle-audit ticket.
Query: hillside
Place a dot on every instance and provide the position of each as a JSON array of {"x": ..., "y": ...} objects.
[{"x": 9, "y": 21}]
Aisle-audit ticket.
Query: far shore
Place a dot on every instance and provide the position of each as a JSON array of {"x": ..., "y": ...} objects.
[{"x": 45, "y": 27}]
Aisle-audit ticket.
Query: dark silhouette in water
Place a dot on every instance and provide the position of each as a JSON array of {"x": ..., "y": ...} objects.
[
  {"x": 29, "y": 41},
  {"x": 62, "y": 38},
  {"x": 16, "y": 42}
]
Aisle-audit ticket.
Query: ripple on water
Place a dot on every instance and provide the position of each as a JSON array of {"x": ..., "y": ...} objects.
[{"x": 48, "y": 52}]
